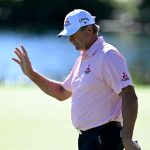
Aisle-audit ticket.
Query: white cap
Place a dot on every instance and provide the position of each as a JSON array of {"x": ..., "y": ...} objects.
[{"x": 75, "y": 20}]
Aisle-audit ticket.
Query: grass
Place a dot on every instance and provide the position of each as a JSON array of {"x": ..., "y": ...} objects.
[{"x": 31, "y": 120}]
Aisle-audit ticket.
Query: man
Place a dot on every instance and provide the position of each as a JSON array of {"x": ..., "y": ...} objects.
[{"x": 103, "y": 96}]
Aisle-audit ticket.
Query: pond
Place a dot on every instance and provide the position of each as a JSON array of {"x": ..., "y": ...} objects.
[{"x": 54, "y": 57}]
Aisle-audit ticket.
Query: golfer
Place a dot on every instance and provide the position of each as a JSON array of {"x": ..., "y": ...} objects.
[{"x": 104, "y": 102}]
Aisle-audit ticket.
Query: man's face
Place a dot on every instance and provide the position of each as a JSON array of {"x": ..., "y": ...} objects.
[{"x": 80, "y": 39}]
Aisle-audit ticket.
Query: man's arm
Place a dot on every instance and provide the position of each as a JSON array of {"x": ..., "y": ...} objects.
[
  {"x": 52, "y": 88},
  {"x": 129, "y": 113}
]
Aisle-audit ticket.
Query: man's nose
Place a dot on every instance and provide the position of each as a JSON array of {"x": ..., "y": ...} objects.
[{"x": 71, "y": 38}]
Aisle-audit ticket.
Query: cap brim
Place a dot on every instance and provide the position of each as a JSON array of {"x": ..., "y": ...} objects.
[
  {"x": 63, "y": 33},
  {"x": 67, "y": 32}
]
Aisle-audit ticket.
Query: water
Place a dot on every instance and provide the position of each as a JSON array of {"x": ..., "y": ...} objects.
[
  {"x": 54, "y": 57},
  {"x": 49, "y": 55}
]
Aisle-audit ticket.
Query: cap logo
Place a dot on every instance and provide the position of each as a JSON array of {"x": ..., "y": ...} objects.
[
  {"x": 84, "y": 20},
  {"x": 67, "y": 23}
]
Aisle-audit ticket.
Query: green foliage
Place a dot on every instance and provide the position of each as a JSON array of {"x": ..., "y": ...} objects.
[
  {"x": 33, "y": 12},
  {"x": 46, "y": 12}
]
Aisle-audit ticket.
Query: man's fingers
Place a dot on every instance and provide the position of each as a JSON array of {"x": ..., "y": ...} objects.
[
  {"x": 17, "y": 52},
  {"x": 24, "y": 52},
  {"x": 22, "y": 55},
  {"x": 16, "y": 60}
]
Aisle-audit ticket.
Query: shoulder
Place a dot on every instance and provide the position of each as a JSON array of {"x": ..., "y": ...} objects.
[{"x": 111, "y": 54}]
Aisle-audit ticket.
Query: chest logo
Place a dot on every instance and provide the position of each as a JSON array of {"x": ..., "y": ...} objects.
[{"x": 87, "y": 70}]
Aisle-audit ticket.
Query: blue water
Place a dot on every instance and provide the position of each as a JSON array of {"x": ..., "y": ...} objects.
[
  {"x": 54, "y": 57},
  {"x": 49, "y": 55}
]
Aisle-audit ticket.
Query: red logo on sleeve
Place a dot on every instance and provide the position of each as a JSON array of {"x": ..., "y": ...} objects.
[{"x": 125, "y": 77}]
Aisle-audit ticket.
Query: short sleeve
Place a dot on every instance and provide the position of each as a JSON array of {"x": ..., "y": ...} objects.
[
  {"x": 68, "y": 80},
  {"x": 115, "y": 71}
]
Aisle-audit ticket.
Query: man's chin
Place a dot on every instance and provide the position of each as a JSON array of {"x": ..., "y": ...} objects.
[{"x": 78, "y": 49}]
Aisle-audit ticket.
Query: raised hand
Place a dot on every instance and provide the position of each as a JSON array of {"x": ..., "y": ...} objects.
[{"x": 23, "y": 60}]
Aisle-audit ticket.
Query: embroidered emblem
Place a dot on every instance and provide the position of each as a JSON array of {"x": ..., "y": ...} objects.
[
  {"x": 67, "y": 23},
  {"x": 125, "y": 77},
  {"x": 84, "y": 20},
  {"x": 87, "y": 70}
]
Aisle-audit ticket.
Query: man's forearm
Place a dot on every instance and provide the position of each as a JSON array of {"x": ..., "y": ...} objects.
[
  {"x": 129, "y": 113},
  {"x": 50, "y": 87}
]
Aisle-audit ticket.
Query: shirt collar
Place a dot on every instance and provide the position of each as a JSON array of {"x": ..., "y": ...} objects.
[{"x": 98, "y": 44}]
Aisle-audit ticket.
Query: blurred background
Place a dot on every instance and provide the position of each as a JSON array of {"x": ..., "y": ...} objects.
[
  {"x": 28, "y": 119},
  {"x": 124, "y": 23}
]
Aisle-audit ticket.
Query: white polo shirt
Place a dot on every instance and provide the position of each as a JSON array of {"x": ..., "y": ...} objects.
[{"x": 95, "y": 81}]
